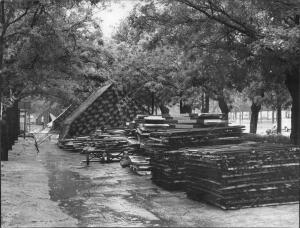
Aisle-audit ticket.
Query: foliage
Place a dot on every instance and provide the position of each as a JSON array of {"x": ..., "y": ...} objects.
[
  {"x": 51, "y": 49},
  {"x": 142, "y": 73}
]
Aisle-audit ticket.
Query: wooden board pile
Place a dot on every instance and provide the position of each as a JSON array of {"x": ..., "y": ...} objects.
[
  {"x": 104, "y": 146},
  {"x": 178, "y": 138},
  {"x": 75, "y": 144},
  {"x": 168, "y": 169},
  {"x": 190, "y": 121},
  {"x": 148, "y": 124},
  {"x": 140, "y": 164},
  {"x": 167, "y": 166},
  {"x": 244, "y": 175}
]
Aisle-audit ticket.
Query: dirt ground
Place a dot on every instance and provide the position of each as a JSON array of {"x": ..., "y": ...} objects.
[{"x": 53, "y": 189}]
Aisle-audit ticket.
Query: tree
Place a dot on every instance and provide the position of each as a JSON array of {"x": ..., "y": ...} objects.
[
  {"x": 147, "y": 75},
  {"x": 51, "y": 49},
  {"x": 268, "y": 31},
  {"x": 273, "y": 31},
  {"x": 278, "y": 98}
]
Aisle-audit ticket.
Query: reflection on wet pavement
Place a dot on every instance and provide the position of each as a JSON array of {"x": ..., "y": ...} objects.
[{"x": 103, "y": 194}]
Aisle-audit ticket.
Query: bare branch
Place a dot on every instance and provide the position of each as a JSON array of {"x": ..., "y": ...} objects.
[
  {"x": 238, "y": 27},
  {"x": 19, "y": 17}
]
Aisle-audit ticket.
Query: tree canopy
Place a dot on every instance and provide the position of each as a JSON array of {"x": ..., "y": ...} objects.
[
  {"x": 166, "y": 51},
  {"x": 243, "y": 46}
]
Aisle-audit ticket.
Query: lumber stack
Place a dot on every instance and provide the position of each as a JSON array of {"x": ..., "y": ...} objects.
[
  {"x": 243, "y": 175},
  {"x": 140, "y": 164},
  {"x": 168, "y": 169},
  {"x": 191, "y": 121},
  {"x": 178, "y": 138},
  {"x": 148, "y": 124},
  {"x": 75, "y": 144},
  {"x": 113, "y": 142},
  {"x": 164, "y": 146}
]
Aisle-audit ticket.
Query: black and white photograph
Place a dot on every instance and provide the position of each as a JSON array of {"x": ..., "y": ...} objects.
[{"x": 150, "y": 113}]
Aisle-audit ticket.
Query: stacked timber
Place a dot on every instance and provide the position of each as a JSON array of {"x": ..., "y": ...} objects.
[
  {"x": 139, "y": 164},
  {"x": 75, "y": 144},
  {"x": 113, "y": 142},
  {"x": 165, "y": 149},
  {"x": 168, "y": 169},
  {"x": 178, "y": 138},
  {"x": 190, "y": 121},
  {"x": 244, "y": 175},
  {"x": 148, "y": 124}
]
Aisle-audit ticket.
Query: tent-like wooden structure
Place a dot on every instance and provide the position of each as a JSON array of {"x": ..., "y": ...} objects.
[
  {"x": 58, "y": 122},
  {"x": 103, "y": 108}
]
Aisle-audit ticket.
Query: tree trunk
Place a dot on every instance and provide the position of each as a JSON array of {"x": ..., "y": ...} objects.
[
  {"x": 152, "y": 102},
  {"x": 254, "y": 117},
  {"x": 279, "y": 119},
  {"x": 185, "y": 108},
  {"x": 1, "y": 151},
  {"x": 273, "y": 117},
  {"x": 4, "y": 141},
  {"x": 293, "y": 84},
  {"x": 223, "y": 106},
  {"x": 2, "y": 46},
  {"x": 205, "y": 103},
  {"x": 163, "y": 109},
  {"x": 180, "y": 105}
]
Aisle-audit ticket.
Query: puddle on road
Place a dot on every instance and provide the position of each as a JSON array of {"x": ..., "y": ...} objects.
[
  {"x": 86, "y": 200},
  {"x": 69, "y": 190},
  {"x": 77, "y": 197}
]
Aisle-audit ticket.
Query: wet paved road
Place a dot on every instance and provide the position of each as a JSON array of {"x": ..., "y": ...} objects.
[
  {"x": 108, "y": 195},
  {"x": 101, "y": 194}
]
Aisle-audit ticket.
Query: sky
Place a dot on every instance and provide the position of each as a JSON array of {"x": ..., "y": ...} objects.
[{"x": 113, "y": 15}]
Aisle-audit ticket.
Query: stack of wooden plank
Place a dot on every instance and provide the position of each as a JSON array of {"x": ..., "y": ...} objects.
[
  {"x": 140, "y": 164},
  {"x": 168, "y": 169},
  {"x": 178, "y": 138},
  {"x": 243, "y": 175},
  {"x": 190, "y": 121},
  {"x": 148, "y": 124},
  {"x": 104, "y": 146},
  {"x": 163, "y": 146},
  {"x": 74, "y": 144}
]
